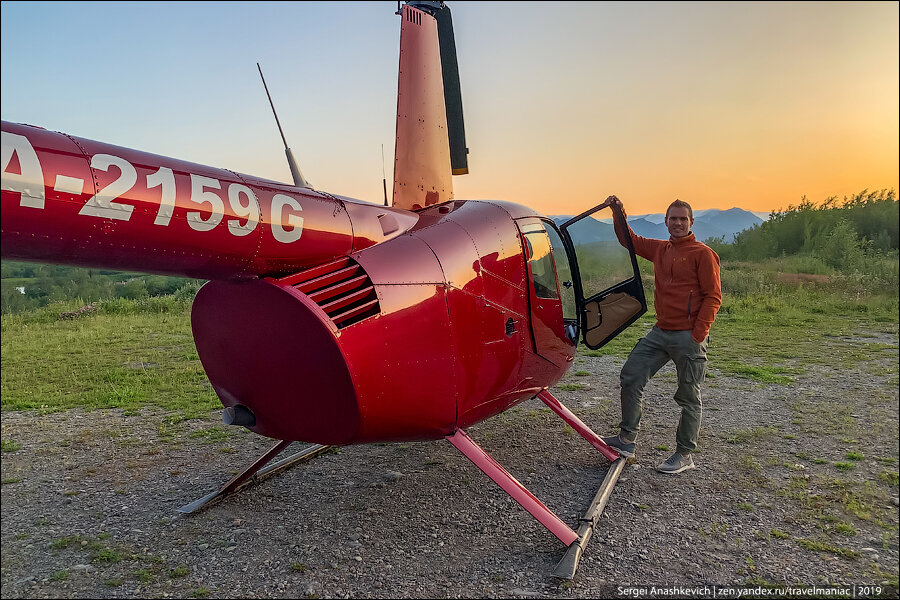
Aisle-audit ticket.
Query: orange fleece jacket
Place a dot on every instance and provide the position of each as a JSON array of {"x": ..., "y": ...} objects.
[{"x": 688, "y": 291}]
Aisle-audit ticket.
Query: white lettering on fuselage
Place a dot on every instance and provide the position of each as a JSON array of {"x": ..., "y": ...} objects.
[{"x": 28, "y": 181}]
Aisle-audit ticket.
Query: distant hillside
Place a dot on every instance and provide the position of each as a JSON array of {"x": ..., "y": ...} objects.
[
  {"x": 724, "y": 223},
  {"x": 646, "y": 228},
  {"x": 708, "y": 223},
  {"x": 589, "y": 230}
]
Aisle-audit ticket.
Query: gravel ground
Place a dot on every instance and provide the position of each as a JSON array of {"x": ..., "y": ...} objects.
[{"x": 89, "y": 499}]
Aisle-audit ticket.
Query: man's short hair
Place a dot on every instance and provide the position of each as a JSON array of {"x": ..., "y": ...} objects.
[{"x": 683, "y": 204}]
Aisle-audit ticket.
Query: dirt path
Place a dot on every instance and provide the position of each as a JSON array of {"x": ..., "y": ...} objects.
[{"x": 89, "y": 499}]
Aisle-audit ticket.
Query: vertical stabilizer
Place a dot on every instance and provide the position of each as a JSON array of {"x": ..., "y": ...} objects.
[{"x": 422, "y": 172}]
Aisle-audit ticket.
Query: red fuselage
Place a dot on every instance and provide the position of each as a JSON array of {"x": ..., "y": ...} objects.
[{"x": 332, "y": 320}]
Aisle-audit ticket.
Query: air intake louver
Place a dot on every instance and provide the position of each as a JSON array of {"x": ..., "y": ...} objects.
[{"x": 340, "y": 288}]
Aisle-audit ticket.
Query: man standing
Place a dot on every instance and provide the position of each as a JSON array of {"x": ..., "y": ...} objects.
[{"x": 687, "y": 297}]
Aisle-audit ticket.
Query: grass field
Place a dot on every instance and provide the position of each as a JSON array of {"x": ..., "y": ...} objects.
[
  {"x": 769, "y": 319},
  {"x": 125, "y": 354}
]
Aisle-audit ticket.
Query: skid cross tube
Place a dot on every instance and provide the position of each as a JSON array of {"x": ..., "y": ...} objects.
[
  {"x": 569, "y": 562},
  {"x": 511, "y": 486},
  {"x": 576, "y": 542},
  {"x": 250, "y": 475},
  {"x": 575, "y": 423}
]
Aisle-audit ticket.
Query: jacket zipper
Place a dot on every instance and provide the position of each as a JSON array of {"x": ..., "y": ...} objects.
[{"x": 671, "y": 249}]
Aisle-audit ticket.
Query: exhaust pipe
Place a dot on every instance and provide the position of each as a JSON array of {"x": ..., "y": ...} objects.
[{"x": 238, "y": 415}]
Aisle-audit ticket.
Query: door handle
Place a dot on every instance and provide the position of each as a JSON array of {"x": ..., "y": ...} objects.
[{"x": 510, "y": 327}]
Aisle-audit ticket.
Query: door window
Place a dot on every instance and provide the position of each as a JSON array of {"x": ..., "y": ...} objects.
[
  {"x": 602, "y": 261},
  {"x": 608, "y": 286}
]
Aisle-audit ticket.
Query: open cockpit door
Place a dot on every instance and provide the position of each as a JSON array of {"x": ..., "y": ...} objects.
[{"x": 608, "y": 289}]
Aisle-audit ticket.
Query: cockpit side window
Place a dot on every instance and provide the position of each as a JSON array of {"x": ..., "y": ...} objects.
[
  {"x": 564, "y": 273},
  {"x": 540, "y": 259}
]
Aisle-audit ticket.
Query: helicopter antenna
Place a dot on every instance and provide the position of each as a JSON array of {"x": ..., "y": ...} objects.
[
  {"x": 299, "y": 180},
  {"x": 383, "y": 176}
]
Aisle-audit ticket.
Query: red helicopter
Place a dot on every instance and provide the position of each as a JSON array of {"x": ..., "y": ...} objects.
[{"x": 321, "y": 310}]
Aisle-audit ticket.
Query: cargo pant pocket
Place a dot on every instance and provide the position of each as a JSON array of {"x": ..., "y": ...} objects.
[
  {"x": 694, "y": 368},
  {"x": 692, "y": 360}
]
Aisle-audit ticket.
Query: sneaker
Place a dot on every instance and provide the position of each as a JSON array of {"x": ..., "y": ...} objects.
[
  {"x": 622, "y": 446},
  {"x": 676, "y": 464}
]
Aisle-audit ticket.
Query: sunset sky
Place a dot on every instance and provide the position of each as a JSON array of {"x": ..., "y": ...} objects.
[{"x": 719, "y": 104}]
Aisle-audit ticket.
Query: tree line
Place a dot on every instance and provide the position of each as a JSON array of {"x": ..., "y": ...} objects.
[
  {"x": 843, "y": 235},
  {"x": 32, "y": 285}
]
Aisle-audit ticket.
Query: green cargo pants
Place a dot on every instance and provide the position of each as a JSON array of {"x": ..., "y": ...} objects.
[{"x": 648, "y": 356}]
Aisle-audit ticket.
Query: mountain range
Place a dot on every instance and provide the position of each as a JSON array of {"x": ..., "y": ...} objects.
[{"x": 708, "y": 223}]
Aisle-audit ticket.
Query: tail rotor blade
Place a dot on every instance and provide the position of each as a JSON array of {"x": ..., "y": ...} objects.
[{"x": 459, "y": 161}]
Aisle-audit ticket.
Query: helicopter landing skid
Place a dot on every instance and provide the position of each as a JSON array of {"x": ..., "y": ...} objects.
[{"x": 255, "y": 473}]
